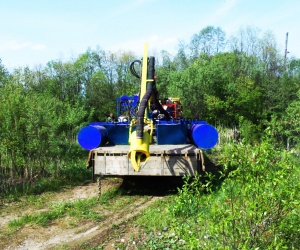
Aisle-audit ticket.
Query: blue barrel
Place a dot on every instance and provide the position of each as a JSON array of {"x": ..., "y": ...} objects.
[
  {"x": 203, "y": 135},
  {"x": 91, "y": 137}
]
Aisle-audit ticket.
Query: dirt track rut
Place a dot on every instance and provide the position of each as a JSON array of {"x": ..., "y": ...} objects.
[{"x": 59, "y": 236}]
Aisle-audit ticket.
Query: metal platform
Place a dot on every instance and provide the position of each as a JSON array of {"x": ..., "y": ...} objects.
[{"x": 165, "y": 160}]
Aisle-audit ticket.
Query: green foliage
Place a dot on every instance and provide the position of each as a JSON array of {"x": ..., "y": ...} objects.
[
  {"x": 292, "y": 121},
  {"x": 209, "y": 40},
  {"x": 3, "y": 74},
  {"x": 38, "y": 134},
  {"x": 256, "y": 207},
  {"x": 283, "y": 127},
  {"x": 251, "y": 133}
]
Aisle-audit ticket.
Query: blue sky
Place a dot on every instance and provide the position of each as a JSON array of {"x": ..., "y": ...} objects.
[{"x": 33, "y": 32}]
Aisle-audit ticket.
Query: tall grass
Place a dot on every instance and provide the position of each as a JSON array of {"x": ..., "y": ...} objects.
[{"x": 69, "y": 173}]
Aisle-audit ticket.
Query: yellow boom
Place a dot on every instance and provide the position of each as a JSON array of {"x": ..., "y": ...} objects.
[{"x": 140, "y": 139}]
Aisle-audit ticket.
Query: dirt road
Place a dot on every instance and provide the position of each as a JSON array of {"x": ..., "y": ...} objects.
[{"x": 111, "y": 231}]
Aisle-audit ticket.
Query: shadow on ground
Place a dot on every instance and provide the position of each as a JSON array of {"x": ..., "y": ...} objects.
[{"x": 151, "y": 185}]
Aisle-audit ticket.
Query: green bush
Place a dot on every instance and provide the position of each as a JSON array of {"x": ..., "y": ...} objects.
[{"x": 256, "y": 207}]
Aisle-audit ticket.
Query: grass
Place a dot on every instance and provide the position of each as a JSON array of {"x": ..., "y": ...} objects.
[
  {"x": 107, "y": 196},
  {"x": 81, "y": 209},
  {"x": 156, "y": 218}
]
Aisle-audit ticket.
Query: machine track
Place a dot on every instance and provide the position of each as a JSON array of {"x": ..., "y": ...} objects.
[{"x": 85, "y": 233}]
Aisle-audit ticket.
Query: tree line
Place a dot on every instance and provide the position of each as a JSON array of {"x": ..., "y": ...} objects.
[{"x": 241, "y": 81}]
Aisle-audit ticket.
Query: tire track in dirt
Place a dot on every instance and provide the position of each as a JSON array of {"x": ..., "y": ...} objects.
[
  {"x": 112, "y": 221},
  {"x": 60, "y": 236},
  {"x": 75, "y": 236},
  {"x": 69, "y": 194}
]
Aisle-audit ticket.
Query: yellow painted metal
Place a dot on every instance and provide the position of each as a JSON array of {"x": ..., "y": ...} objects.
[
  {"x": 144, "y": 72},
  {"x": 139, "y": 148}
]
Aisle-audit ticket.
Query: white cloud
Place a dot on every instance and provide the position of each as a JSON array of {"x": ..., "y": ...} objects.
[
  {"x": 154, "y": 38},
  {"x": 219, "y": 13},
  {"x": 170, "y": 41},
  {"x": 38, "y": 47},
  {"x": 156, "y": 43},
  {"x": 16, "y": 45},
  {"x": 139, "y": 2},
  {"x": 227, "y": 7},
  {"x": 124, "y": 8}
]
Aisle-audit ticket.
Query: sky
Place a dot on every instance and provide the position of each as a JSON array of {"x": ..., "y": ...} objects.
[{"x": 34, "y": 32}]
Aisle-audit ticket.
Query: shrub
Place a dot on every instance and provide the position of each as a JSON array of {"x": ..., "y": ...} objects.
[{"x": 256, "y": 207}]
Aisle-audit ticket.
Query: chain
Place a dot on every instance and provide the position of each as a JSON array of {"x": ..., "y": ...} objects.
[{"x": 99, "y": 185}]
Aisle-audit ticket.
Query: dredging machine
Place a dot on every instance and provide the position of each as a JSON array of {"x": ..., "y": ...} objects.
[{"x": 150, "y": 137}]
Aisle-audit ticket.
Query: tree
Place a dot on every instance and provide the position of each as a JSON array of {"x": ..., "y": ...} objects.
[
  {"x": 126, "y": 83},
  {"x": 269, "y": 54},
  {"x": 181, "y": 59},
  {"x": 3, "y": 74},
  {"x": 294, "y": 68},
  {"x": 209, "y": 40},
  {"x": 63, "y": 81},
  {"x": 292, "y": 121},
  {"x": 247, "y": 40},
  {"x": 165, "y": 73}
]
